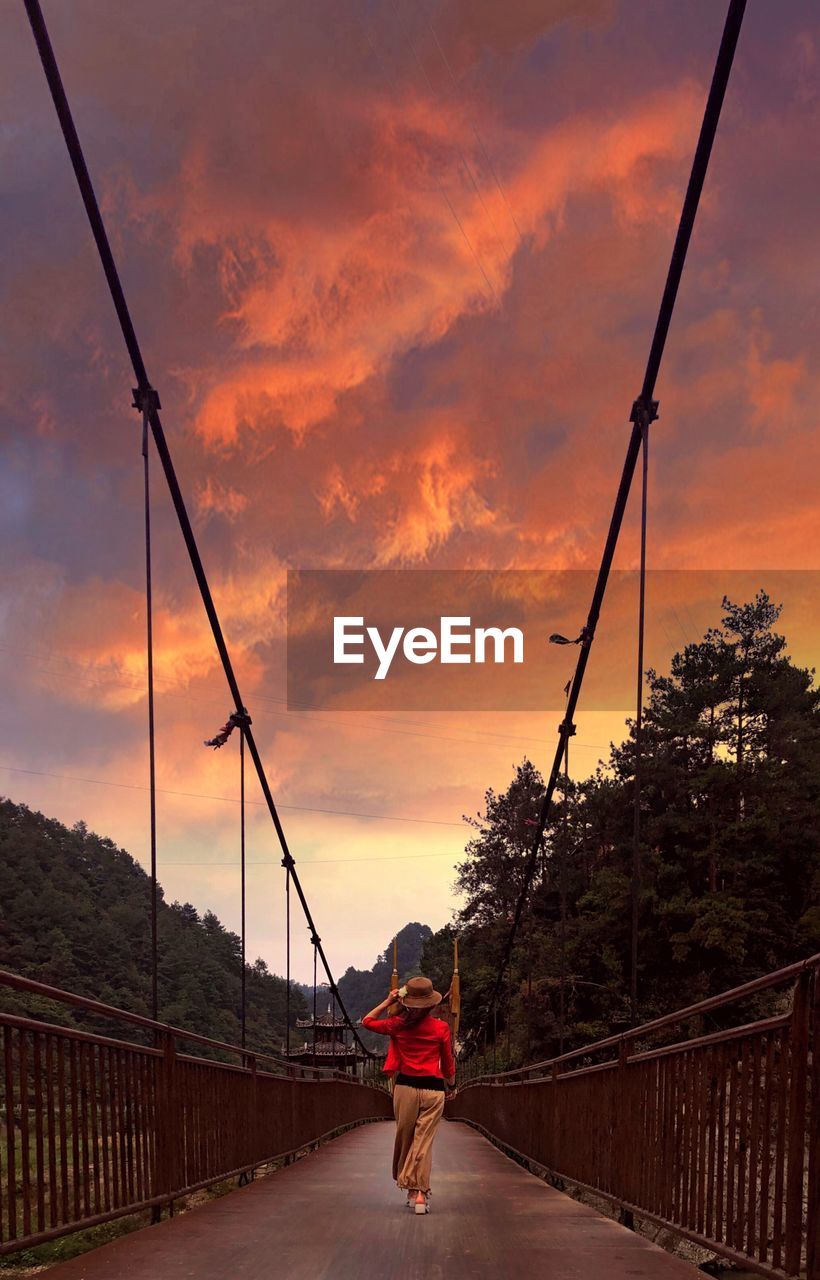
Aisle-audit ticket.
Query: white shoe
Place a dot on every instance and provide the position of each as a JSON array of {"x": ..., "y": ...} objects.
[{"x": 421, "y": 1205}]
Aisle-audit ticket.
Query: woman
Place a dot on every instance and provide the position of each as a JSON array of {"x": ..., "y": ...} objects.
[{"x": 424, "y": 1056}]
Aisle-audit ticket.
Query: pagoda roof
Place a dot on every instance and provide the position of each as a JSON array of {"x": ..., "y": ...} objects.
[
  {"x": 322, "y": 1020},
  {"x": 326, "y": 1049}
]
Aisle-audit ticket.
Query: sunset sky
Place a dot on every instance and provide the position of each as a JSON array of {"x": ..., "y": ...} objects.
[{"x": 394, "y": 267}]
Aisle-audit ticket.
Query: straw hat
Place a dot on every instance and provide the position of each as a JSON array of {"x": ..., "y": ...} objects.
[{"x": 419, "y": 994}]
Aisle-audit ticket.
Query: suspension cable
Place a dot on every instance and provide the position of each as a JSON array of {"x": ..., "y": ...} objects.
[
  {"x": 152, "y": 775},
  {"x": 509, "y": 1013},
  {"x": 562, "y": 906},
  {"x": 314, "y": 1004},
  {"x": 644, "y": 411},
  {"x": 495, "y": 1033},
  {"x": 147, "y": 400},
  {"x": 287, "y": 961},
  {"x": 242, "y": 867},
  {"x": 636, "y": 835}
]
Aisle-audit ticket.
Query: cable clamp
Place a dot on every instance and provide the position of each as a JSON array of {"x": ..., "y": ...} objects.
[
  {"x": 566, "y": 726},
  {"x": 241, "y": 719},
  {"x": 288, "y": 862},
  {"x": 315, "y": 939},
  {"x": 146, "y": 399},
  {"x": 643, "y": 412}
]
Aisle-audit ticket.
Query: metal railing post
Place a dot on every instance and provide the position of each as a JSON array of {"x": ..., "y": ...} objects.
[
  {"x": 621, "y": 1142},
  {"x": 253, "y": 1127},
  {"x": 796, "y": 1136},
  {"x": 165, "y": 1148},
  {"x": 813, "y": 1194}
]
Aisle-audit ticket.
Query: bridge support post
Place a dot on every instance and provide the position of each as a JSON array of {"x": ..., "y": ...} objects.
[
  {"x": 554, "y": 1097},
  {"x": 799, "y": 1050},
  {"x": 167, "y": 1127},
  {"x": 251, "y": 1112},
  {"x": 622, "y": 1146},
  {"x": 813, "y": 1195}
]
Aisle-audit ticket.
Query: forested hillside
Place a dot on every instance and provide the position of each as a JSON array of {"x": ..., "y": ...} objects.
[
  {"x": 730, "y": 852},
  {"x": 75, "y": 913},
  {"x": 362, "y": 989}
]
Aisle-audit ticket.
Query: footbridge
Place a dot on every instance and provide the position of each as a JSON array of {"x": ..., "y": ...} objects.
[
  {"x": 667, "y": 1130},
  {"x": 701, "y": 1127}
]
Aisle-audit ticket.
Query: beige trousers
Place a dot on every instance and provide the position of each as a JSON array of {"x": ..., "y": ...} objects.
[{"x": 417, "y": 1113}]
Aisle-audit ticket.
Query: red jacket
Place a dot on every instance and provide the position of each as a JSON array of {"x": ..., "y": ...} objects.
[
  {"x": 391, "y": 1060},
  {"x": 421, "y": 1050}
]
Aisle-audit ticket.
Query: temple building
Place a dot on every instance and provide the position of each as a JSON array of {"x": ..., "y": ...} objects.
[{"x": 331, "y": 1047}]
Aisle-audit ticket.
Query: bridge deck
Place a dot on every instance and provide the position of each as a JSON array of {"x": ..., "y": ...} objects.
[{"x": 337, "y": 1216}]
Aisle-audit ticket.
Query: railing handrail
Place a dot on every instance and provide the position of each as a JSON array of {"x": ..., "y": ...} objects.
[
  {"x": 713, "y": 1138},
  {"x": 100, "y": 1127},
  {"x": 18, "y": 983},
  {"x": 763, "y": 983},
  {"x": 646, "y": 1055}
]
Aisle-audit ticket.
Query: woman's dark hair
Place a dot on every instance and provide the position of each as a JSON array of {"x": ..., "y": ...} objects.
[{"x": 414, "y": 1016}]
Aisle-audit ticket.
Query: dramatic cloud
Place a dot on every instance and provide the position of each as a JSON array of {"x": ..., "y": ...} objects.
[{"x": 395, "y": 268}]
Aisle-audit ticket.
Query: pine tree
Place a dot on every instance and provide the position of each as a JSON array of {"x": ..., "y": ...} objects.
[{"x": 730, "y": 849}]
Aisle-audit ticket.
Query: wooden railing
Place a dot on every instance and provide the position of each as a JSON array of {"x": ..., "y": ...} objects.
[
  {"x": 94, "y": 1127},
  {"x": 715, "y": 1137}
]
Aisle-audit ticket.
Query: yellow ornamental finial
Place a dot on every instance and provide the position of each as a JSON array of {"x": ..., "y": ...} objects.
[
  {"x": 455, "y": 992},
  {"x": 394, "y": 981}
]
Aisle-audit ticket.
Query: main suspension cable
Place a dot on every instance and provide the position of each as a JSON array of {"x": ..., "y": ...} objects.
[
  {"x": 637, "y": 877},
  {"x": 287, "y": 961},
  {"x": 562, "y": 906},
  {"x": 644, "y": 411},
  {"x": 152, "y": 773},
  {"x": 242, "y": 870},
  {"x": 314, "y": 1004},
  {"x": 147, "y": 401}
]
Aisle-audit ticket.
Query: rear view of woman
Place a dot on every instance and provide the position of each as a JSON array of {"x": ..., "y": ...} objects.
[{"x": 425, "y": 1059}]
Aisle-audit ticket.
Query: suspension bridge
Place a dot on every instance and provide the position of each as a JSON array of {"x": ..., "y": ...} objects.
[{"x": 665, "y": 1131}]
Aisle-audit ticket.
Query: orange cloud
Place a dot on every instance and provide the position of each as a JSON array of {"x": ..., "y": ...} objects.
[
  {"x": 773, "y": 383},
  {"x": 322, "y": 304},
  {"x": 99, "y": 628},
  {"x": 215, "y": 498},
  {"x": 444, "y": 497}
]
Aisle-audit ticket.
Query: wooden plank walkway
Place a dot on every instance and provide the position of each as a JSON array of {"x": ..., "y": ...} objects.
[{"x": 336, "y": 1215}]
